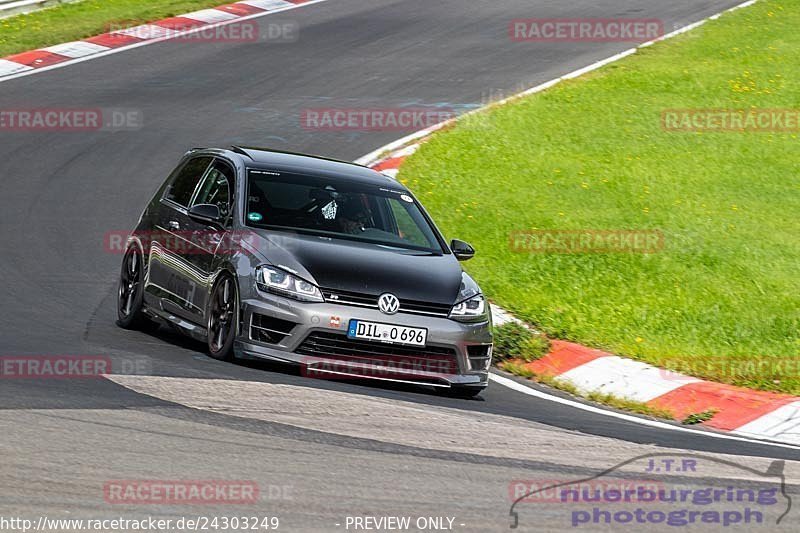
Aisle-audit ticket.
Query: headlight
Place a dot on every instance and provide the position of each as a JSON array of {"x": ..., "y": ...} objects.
[
  {"x": 470, "y": 303},
  {"x": 471, "y": 310},
  {"x": 275, "y": 280}
]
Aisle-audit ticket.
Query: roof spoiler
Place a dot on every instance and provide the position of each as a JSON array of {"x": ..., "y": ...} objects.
[{"x": 242, "y": 150}]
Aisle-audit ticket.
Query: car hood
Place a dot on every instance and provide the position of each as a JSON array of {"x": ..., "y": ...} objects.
[{"x": 365, "y": 268}]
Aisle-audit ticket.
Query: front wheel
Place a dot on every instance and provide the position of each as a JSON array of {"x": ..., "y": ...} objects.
[{"x": 222, "y": 318}]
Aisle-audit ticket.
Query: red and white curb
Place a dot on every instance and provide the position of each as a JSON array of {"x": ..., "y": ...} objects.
[
  {"x": 27, "y": 63},
  {"x": 741, "y": 411}
]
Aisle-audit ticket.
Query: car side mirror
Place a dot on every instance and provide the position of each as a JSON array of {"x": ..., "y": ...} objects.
[
  {"x": 206, "y": 213},
  {"x": 462, "y": 250}
]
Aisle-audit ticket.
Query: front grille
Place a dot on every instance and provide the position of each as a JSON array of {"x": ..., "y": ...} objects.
[
  {"x": 479, "y": 356},
  {"x": 269, "y": 329},
  {"x": 413, "y": 307},
  {"x": 393, "y": 357}
]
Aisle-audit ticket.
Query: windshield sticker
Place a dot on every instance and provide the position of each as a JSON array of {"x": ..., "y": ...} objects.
[
  {"x": 255, "y": 217},
  {"x": 407, "y": 198},
  {"x": 329, "y": 211}
]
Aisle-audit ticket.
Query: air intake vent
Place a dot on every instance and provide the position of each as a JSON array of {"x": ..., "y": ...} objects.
[{"x": 480, "y": 356}]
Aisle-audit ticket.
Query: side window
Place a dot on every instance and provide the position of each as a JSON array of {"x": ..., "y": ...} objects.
[
  {"x": 182, "y": 187},
  {"x": 217, "y": 188}
]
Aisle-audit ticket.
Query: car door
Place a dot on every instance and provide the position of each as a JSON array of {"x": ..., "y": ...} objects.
[
  {"x": 168, "y": 271},
  {"x": 206, "y": 241}
]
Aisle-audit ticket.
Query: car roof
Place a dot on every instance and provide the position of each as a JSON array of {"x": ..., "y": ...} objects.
[{"x": 278, "y": 160}]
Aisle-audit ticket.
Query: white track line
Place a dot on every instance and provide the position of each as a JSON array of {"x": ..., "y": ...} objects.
[
  {"x": 524, "y": 389},
  {"x": 172, "y": 35}
]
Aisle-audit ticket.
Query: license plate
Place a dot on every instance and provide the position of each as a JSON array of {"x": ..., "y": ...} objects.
[{"x": 375, "y": 331}]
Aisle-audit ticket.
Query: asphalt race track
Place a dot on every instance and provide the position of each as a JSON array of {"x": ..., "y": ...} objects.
[{"x": 334, "y": 449}]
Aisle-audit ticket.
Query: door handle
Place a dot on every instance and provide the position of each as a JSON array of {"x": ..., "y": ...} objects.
[{"x": 174, "y": 225}]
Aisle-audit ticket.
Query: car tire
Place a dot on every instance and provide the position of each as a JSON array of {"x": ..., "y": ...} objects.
[
  {"x": 130, "y": 294},
  {"x": 223, "y": 316}
]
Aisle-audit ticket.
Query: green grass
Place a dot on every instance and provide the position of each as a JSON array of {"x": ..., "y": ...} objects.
[
  {"x": 699, "y": 418},
  {"x": 518, "y": 368},
  {"x": 625, "y": 404},
  {"x": 515, "y": 341},
  {"x": 71, "y": 22},
  {"x": 591, "y": 154}
]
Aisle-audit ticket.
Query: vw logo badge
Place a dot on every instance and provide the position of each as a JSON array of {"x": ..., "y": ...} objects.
[{"x": 388, "y": 303}]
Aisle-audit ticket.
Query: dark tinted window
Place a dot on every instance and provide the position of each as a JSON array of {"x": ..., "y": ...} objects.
[
  {"x": 337, "y": 208},
  {"x": 182, "y": 187},
  {"x": 217, "y": 188}
]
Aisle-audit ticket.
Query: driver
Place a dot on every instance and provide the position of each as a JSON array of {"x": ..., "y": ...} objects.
[{"x": 353, "y": 216}]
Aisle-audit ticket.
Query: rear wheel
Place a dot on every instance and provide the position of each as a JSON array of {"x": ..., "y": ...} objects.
[
  {"x": 130, "y": 296},
  {"x": 222, "y": 318}
]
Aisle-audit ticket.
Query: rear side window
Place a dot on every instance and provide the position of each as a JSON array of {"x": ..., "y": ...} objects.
[{"x": 182, "y": 187}]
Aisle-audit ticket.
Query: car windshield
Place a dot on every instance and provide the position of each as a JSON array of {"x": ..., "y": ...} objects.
[{"x": 337, "y": 208}]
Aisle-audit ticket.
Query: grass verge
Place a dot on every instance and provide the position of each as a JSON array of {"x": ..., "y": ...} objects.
[
  {"x": 720, "y": 299},
  {"x": 71, "y": 22},
  {"x": 518, "y": 368},
  {"x": 515, "y": 341},
  {"x": 699, "y": 418}
]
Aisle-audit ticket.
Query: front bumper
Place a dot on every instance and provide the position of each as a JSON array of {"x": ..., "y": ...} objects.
[{"x": 291, "y": 328}]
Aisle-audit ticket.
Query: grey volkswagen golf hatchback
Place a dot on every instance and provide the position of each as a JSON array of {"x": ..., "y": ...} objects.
[{"x": 295, "y": 258}]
